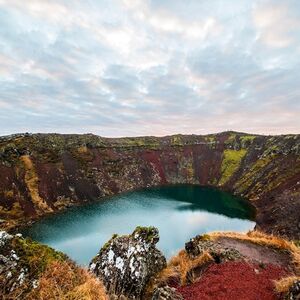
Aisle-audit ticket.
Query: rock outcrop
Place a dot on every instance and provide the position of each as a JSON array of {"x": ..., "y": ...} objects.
[
  {"x": 30, "y": 270},
  {"x": 166, "y": 293},
  {"x": 125, "y": 264},
  {"x": 22, "y": 261},
  {"x": 200, "y": 244},
  {"x": 294, "y": 291}
]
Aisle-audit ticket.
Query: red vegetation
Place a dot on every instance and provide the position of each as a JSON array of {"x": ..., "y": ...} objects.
[{"x": 235, "y": 281}]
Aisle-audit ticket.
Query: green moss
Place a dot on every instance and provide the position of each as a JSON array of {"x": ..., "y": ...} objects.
[
  {"x": 144, "y": 142},
  {"x": 107, "y": 244},
  {"x": 231, "y": 139},
  {"x": 146, "y": 232},
  {"x": 275, "y": 177},
  {"x": 204, "y": 237},
  {"x": 210, "y": 139},
  {"x": 230, "y": 164},
  {"x": 271, "y": 149},
  {"x": 256, "y": 168},
  {"x": 176, "y": 140},
  {"x": 213, "y": 181},
  {"x": 190, "y": 170},
  {"x": 34, "y": 256},
  {"x": 246, "y": 140}
]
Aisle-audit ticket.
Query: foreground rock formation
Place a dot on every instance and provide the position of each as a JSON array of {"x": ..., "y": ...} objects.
[
  {"x": 29, "y": 270},
  {"x": 125, "y": 264},
  {"x": 43, "y": 173},
  {"x": 21, "y": 262},
  {"x": 219, "y": 266}
]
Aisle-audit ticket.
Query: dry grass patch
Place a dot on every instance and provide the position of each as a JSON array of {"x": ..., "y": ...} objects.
[
  {"x": 31, "y": 180},
  {"x": 66, "y": 281},
  {"x": 178, "y": 270},
  {"x": 283, "y": 285},
  {"x": 264, "y": 239}
]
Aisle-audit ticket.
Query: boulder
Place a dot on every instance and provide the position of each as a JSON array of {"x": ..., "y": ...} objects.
[{"x": 126, "y": 263}]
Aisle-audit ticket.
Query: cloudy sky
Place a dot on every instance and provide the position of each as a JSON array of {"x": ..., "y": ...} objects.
[{"x": 149, "y": 67}]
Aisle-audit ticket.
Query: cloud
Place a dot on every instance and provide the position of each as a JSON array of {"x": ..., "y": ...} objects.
[
  {"x": 277, "y": 23},
  {"x": 150, "y": 67}
]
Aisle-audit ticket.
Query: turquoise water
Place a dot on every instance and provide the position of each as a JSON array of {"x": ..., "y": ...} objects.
[{"x": 179, "y": 212}]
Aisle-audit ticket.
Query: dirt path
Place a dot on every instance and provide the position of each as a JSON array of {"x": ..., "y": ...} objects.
[{"x": 257, "y": 253}]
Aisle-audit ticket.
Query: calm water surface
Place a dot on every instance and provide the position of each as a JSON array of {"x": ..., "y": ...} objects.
[{"x": 179, "y": 212}]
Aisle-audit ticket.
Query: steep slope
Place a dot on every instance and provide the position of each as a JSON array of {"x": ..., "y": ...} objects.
[
  {"x": 29, "y": 270},
  {"x": 43, "y": 173}
]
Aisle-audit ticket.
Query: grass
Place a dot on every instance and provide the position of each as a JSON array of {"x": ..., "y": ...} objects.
[
  {"x": 179, "y": 270},
  {"x": 14, "y": 213},
  {"x": 31, "y": 180},
  {"x": 176, "y": 140},
  {"x": 230, "y": 164},
  {"x": 263, "y": 239},
  {"x": 35, "y": 256},
  {"x": 210, "y": 139},
  {"x": 50, "y": 274},
  {"x": 82, "y": 149},
  {"x": 283, "y": 285},
  {"x": 255, "y": 170},
  {"x": 66, "y": 281},
  {"x": 247, "y": 138},
  {"x": 231, "y": 139}
]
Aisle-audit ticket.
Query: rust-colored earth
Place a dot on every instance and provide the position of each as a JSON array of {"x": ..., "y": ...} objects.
[{"x": 235, "y": 281}]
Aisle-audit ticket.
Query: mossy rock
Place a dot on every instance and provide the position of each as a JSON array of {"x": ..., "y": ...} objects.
[{"x": 35, "y": 256}]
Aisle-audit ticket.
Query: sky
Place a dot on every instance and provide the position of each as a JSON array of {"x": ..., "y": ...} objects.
[{"x": 149, "y": 67}]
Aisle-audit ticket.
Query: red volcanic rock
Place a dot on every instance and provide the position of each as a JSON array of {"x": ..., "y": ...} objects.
[{"x": 235, "y": 281}]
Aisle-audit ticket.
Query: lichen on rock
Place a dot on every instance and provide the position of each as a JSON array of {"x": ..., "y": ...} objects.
[
  {"x": 126, "y": 263},
  {"x": 22, "y": 261},
  {"x": 201, "y": 244},
  {"x": 294, "y": 291},
  {"x": 166, "y": 293}
]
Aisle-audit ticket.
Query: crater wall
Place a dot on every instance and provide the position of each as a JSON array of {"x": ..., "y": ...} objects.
[{"x": 44, "y": 173}]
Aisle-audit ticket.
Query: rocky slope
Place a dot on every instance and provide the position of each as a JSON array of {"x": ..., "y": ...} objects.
[
  {"x": 29, "y": 270},
  {"x": 43, "y": 173},
  {"x": 131, "y": 267}
]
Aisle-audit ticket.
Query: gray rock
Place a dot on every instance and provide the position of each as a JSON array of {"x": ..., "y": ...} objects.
[
  {"x": 200, "y": 244},
  {"x": 166, "y": 293},
  {"x": 126, "y": 263},
  {"x": 12, "y": 273},
  {"x": 294, "y": 291}
]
